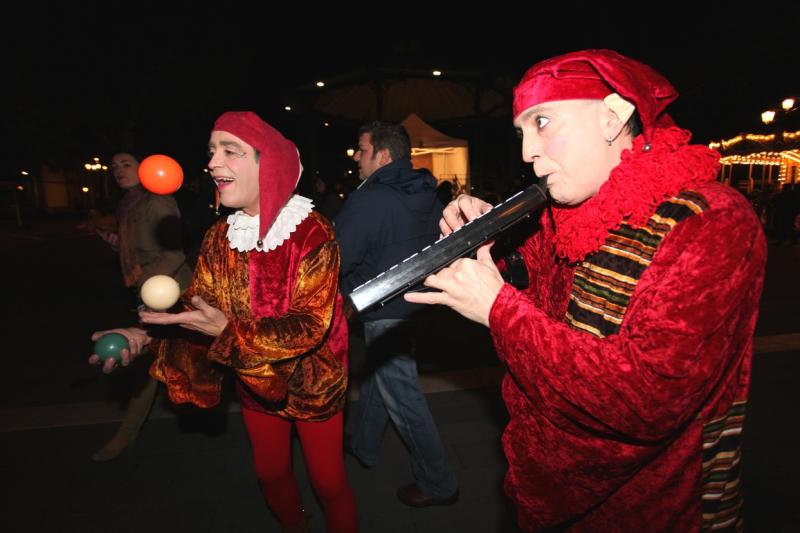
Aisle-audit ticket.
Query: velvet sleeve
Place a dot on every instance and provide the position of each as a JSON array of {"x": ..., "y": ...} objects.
[
  {"x": 671, "y": 349},
  {"x": 203, "y": 279},
  {"x": 248, "y": 343},
  {"x": 180, "y": 362}
]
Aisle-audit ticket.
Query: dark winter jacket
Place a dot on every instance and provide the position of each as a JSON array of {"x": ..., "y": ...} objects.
[{"x": 394, "y": 214}]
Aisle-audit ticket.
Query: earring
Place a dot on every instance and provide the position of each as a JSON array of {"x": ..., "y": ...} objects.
[{"x": 609, "y": 141}]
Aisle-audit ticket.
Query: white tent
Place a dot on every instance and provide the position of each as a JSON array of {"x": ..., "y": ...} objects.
[{"x": 446, "y": 157}]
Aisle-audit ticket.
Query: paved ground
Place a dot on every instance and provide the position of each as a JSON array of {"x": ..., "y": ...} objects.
[{"x": 191, "y": 472}]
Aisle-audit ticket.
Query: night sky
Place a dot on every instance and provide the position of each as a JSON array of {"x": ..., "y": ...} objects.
[{"x": 84, "y": 83}]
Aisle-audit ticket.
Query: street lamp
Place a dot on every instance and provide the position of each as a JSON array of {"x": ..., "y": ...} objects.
[
  {"x": 784, "y": 144},
  {"x": 788, "y": 105},
  {"x": 95, "y": 166}
]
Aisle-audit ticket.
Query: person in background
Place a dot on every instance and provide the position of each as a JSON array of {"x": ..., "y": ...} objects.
[
  {"x": 786, "y": 207},
  {"x": 444, "y": 192},
  {"x": 147, "y": 235},
  {"x": 326, "y": 201},
  {"x": 393, "y": 214},
  {"x": 284, "y": 337},
  {"x": 628, "y": 356}
]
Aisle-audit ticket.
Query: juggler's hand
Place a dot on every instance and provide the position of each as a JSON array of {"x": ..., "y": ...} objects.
[
  {"x": 204, "y": 318},
  {"x": 137, "y": 340}
]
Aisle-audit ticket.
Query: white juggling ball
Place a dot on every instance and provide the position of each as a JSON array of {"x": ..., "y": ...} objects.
[{"x": 160, "y": 292}]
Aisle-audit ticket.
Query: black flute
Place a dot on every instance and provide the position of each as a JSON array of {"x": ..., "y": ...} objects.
[{"x": 413, "y": 270}]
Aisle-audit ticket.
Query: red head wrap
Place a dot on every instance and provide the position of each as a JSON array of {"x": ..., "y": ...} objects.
[{"x": 594, "y": 74}]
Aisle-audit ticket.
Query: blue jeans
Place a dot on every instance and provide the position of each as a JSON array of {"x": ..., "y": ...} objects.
[{"x": 391, "y": 391}]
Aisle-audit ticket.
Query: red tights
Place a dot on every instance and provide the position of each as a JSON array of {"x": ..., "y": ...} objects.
[{"x": 270, "y": 437}]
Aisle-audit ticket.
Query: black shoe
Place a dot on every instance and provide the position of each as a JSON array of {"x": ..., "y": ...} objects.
[{"x": 413, "y": 496}]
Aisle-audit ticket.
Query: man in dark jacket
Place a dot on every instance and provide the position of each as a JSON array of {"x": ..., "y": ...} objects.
[{"x": 393, "y": 214}]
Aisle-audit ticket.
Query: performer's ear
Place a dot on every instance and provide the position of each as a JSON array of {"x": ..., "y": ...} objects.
[{"x": 618, "y": 111}]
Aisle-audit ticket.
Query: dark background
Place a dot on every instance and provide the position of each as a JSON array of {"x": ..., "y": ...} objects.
[{"x": 85, "y": 80}]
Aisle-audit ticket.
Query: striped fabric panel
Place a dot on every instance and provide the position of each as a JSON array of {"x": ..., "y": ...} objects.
[
  {"x": 604, "y": 282},
  {"x": 721, "y": 484}
]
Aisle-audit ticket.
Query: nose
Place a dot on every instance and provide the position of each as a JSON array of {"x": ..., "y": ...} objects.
[
  {"x": 531, "y": 148},
  {"x": 215, "y": 161}
]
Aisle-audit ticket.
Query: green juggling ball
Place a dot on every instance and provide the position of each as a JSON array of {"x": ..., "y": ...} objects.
[{"x": 109, "y": 345}]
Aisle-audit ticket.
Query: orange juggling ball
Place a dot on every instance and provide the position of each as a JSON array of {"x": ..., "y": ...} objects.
[{"x": 160, "y": 174}]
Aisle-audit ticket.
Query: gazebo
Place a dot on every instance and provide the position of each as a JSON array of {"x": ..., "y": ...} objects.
[
  {"x": 756, "y": 162},
  {"x": 762, "y": 163}
]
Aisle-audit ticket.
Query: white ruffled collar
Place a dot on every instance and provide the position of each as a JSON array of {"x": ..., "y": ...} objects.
[{"x": 243, "y": 228}]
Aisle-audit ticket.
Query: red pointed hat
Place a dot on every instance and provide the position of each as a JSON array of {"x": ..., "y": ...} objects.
[
  {"x": 594, "y": 74},
  {"x": 279, "y": 163}
]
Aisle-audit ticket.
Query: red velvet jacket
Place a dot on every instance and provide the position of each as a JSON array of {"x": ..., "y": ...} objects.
[
  {"x": 608, "y": 433},
  {"x": 286, "y": 337}
]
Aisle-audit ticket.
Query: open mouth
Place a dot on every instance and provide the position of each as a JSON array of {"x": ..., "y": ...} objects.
[{"x": 222, "y": 181}]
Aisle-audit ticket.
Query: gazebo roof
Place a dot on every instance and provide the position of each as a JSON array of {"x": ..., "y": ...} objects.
[{"x": 393, "y": 94}]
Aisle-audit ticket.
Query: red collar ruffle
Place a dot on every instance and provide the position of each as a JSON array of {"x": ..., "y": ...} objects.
[{"x": 636, "y": 186}]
